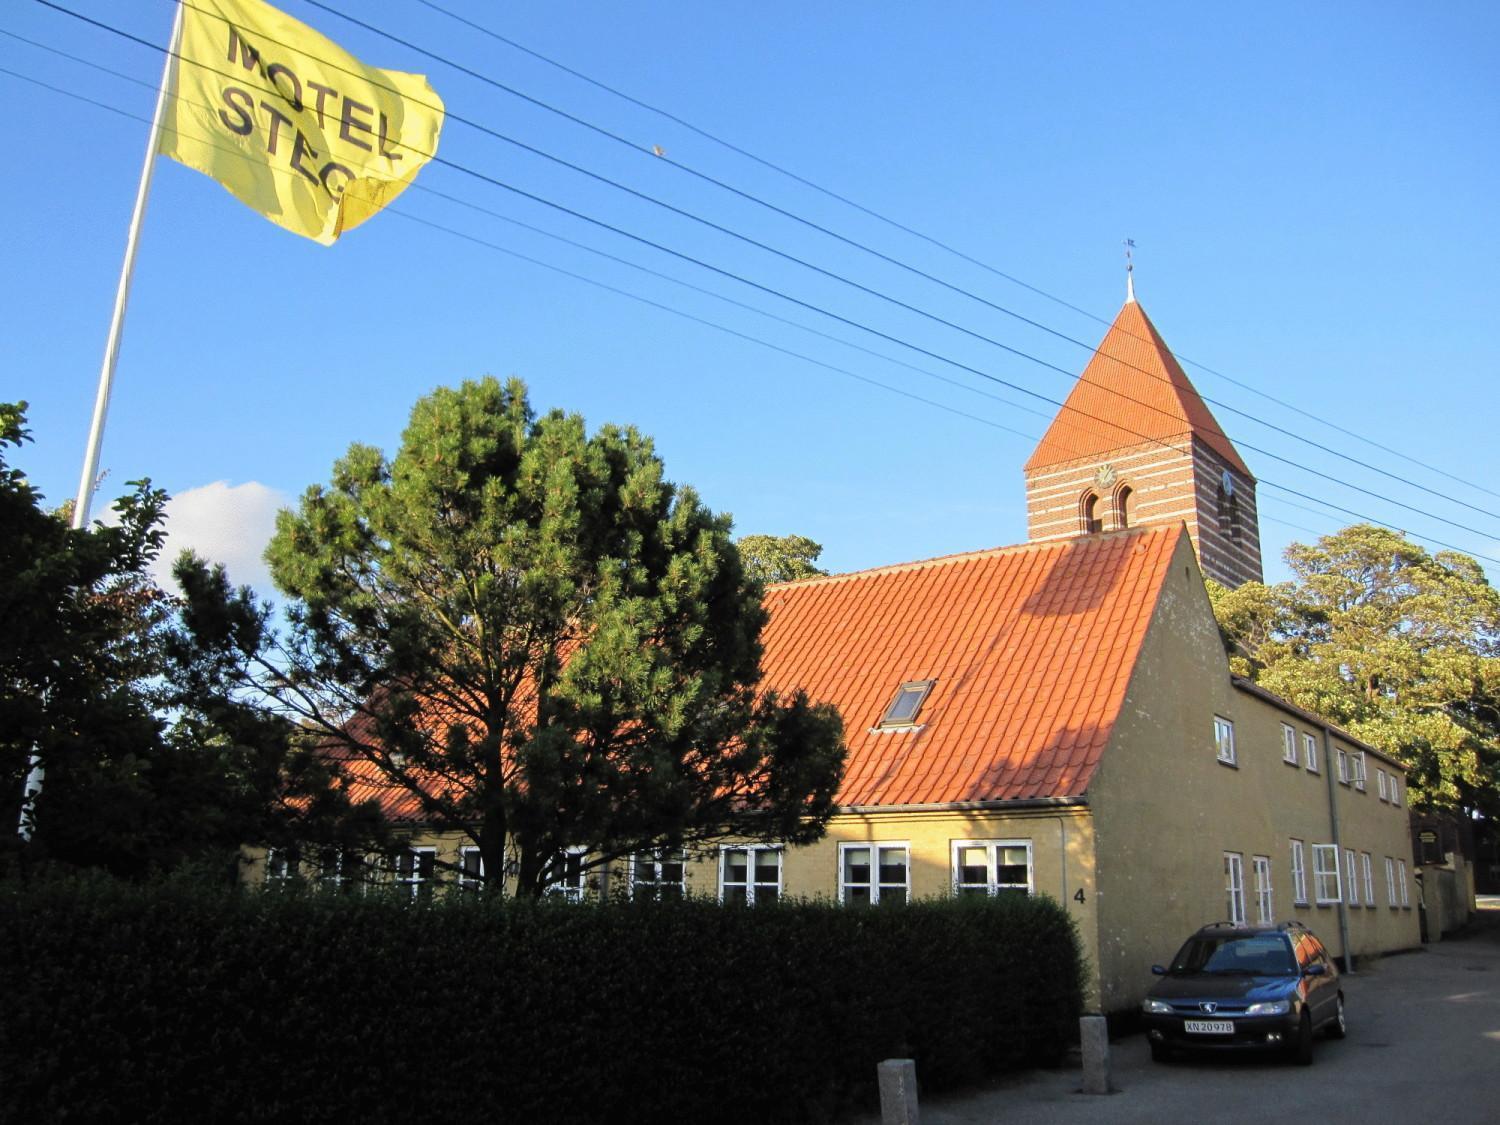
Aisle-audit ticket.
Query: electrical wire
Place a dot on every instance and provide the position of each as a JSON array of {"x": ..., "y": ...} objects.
[
  {"x": 932, "y": 241},
  {"x": 1271, "y": 484}
]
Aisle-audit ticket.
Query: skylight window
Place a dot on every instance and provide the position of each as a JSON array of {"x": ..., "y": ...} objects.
[{"x": 907, "y": 704}]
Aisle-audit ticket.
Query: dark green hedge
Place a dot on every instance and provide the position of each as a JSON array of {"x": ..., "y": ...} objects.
[{"x": 174, "y": 1003}]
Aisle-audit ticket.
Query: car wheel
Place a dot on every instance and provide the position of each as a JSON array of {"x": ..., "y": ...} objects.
[
  {"x": 1160, "y": 1052},
  {"x": 1338, "y": 1028},
  {"x": 1302, "y": 1045}
]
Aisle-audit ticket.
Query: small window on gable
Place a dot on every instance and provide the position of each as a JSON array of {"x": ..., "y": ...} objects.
[
  {"x": 907, "y": 705},
  {"x": 1088, "y": 514}
]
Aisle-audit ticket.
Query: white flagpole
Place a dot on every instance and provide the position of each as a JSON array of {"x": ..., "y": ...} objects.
[
  {"x": 122, "y": 293},
  {"x": 85, "y": 499}
]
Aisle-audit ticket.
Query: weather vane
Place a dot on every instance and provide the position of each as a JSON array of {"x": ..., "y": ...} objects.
[{"x": 1129, "y": 270}]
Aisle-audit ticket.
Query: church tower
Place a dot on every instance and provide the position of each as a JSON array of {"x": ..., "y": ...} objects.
[{"x": 1134, "y": 444}]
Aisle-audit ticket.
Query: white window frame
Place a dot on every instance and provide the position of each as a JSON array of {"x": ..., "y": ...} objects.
[
  {"x": 1299, "y": 874},
  {"x": 1343, "y": 763},
  {"x": 992, "y": 885},
  {"x": 1310, "y": 752},
  {"x": 1390, "y": 881},
  {"x": 336, "y": 877},
  {"x": 1234, "y": 887},
  {"x": 876, "y": 885},
  {"x": 750, "y": 884},
  {"x": 1289, "y": 744},
  {"x": 570, "y": 885},
  {"x": 470, "y": 880},
  {"x": 1224, "y": 740},
  {"x": 413, "y": 880},
  {"x": 1395, "y": 792},
  {"x": 1325, "y": 867},
  {"x": 655, "y": 884},
  {"x": 281, "y": 865},
  {"x": 1401, "y": 883},
  {"x": 1351, "y": 863},
  {"x": 1265, "y": 907},
  {"x": 1357, "y": 761},
  {"x": 1380, "y": 784},
  {"x": 1367, "y": 866}
]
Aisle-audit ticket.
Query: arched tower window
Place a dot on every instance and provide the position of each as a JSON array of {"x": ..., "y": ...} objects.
[
  {"x": 1229, "y": 514},
  {"x": 1088, "y": 514},
  {"x": 1122, "y": 506}
]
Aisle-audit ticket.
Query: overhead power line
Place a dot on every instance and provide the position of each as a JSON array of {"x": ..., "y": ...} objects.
[
  {"x": 930, "y": 240},
  {"x": 807, "y": 305}
]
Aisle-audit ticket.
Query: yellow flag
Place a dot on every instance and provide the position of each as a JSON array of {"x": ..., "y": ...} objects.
[{"x": 290, "y": 123}]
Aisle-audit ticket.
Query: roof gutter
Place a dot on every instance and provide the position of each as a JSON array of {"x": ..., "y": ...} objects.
[{"x": 971, "y": 806}]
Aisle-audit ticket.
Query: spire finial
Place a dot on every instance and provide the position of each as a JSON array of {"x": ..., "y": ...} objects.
[{"x": 1129, "y": 272}]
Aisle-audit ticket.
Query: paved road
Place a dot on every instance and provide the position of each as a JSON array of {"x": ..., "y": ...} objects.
[{"x": 1423, "y": 1045}]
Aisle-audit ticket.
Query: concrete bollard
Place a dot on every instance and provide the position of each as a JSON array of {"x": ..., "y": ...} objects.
[
  {"x": 1093, "y": 1035},
  {"x": 898, "y": 1092}
]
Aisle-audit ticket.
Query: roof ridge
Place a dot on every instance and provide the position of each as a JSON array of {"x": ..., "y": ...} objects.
[{"x": 983, "y": 553}]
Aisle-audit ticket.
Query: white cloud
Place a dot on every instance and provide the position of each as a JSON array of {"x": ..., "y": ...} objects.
[{"x": 223, "y": 523}]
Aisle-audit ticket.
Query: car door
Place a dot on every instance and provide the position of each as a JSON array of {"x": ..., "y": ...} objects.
[{"x": 1323, "y": 991}]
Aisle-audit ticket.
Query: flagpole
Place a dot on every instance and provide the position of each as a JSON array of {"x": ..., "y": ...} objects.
[
  {"x": 122, "y": 292},
  {"x": 37, "y": 772}
]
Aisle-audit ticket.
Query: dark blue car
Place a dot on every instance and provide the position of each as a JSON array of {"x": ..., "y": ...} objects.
[{"x": 1245, "y": 988}]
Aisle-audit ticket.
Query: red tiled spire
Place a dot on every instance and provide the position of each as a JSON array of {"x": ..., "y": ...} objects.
[{"x": 1132, "y": 392}]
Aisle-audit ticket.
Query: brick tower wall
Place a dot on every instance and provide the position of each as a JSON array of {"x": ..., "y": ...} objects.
[{"x": 1177, "y": 482}]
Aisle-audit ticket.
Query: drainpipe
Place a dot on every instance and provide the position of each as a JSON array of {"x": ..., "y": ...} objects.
[{"x": 1338, "y": 849}]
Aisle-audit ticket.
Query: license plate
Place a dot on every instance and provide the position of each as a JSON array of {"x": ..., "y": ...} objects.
[{"x": 1208, "y": 1027}]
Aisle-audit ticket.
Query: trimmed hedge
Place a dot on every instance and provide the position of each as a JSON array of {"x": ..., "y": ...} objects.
[{"x": 175, "y": 1003}]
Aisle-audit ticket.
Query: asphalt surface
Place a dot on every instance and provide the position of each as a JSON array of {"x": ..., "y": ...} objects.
[{"x": 1423, "y": 1045}]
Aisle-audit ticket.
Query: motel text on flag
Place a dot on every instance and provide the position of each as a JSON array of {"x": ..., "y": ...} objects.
[{"x": 289, "y": 122}]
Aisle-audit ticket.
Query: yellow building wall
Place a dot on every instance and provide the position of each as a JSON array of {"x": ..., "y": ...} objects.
[{"x": 1166, "y": 809}]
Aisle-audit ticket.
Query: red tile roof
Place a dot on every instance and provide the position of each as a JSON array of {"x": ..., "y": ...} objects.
[
  {"x": 1031, "y": 647},
  {"x": 1133, "y": 391}
]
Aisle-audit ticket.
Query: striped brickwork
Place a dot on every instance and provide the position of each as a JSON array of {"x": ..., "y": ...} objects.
[{"x": 1173, "y": 482}]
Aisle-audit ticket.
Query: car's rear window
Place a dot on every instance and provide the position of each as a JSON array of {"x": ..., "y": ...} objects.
[{"x": 1257, "y": 955}]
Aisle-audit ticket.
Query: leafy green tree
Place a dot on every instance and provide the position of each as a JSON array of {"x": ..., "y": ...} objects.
[
  {"x": 1398, "y": 646},
  {"x": 531, "y": 634},
  {"x": 142, "y": 773},
  {"x": 780, "y": 558}
]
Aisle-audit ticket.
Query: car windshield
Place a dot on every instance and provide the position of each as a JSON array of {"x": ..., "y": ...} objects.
[{"x": 1261, "y": 955}]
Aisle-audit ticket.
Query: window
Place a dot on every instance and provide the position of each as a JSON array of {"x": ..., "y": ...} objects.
[
  {"x": 1395, "y": 791},
  {"x": 907, "y": 704},
  {"x": 1224, "y": 740},
  {"x": 1357, "y": 763},
  {"x": 1380, "y": 786},
  {"x": 1367, "y": 865},
  {"x": 1343, "y": 771},
  {"x": 991, "y": 867},
  {"x": 1088, "y": 513},
  {"x": 568, "y": 882},
  {"x": 750, "y": 874},
  {"x": 281, "y": 865},
  {"x": 1234, "y": 887},
  {"x": 873, "y": 873},
  {"x": 1390, "y": 881},
  {"x": 1299, "y": 874},
  {"x": 342, "y": 871},
  {"x": 1351, "y": 864},
  {"x": 1310, "y": 752},
  {"x": 414, "y": 868},
  {"x": 1326, "y": 873},
  {"x": 1122, "y": 507},
  {"x": 1263, "y": 905},
  {"x": 470, "y": 869},
  {"x": 657, "y": 876},
  {"x": 1288, "y": 744},
  {"x": 1401, "y": 881}
]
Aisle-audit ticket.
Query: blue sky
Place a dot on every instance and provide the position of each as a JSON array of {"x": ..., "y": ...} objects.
[{"x": 1312, "y": 190}]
